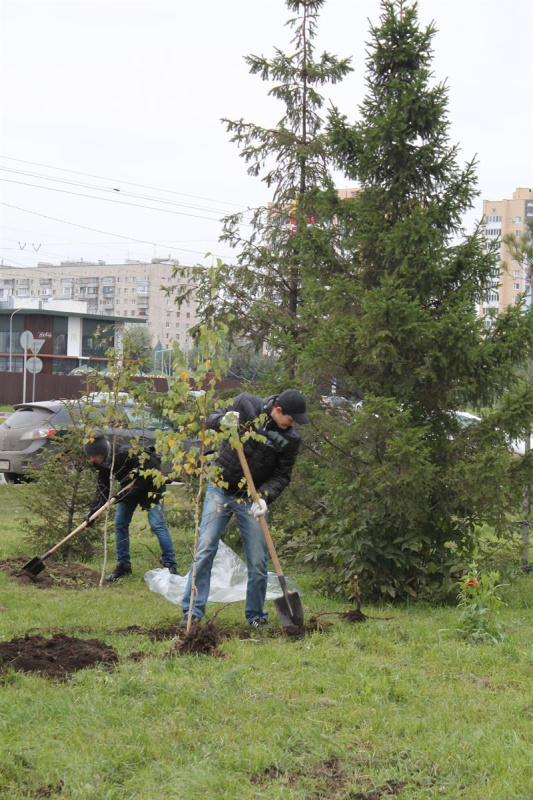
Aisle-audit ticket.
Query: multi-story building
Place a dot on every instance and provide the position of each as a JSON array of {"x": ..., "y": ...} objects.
[
  {"x": 68, "y": 337},
  {"x": 510, "y": 279},
  {"x": 134, "y": 289}
]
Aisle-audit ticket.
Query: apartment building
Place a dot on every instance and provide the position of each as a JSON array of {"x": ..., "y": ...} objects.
[
  {"x": 510, "y": 279},
  {"x": 133, "y": 289}
]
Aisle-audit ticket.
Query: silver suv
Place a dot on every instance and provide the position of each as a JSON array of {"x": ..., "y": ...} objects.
[{"x": 33, "y": 427}]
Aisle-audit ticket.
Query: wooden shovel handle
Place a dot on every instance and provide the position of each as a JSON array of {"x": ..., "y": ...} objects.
[
  {"x": 262, "y": 520},
  {"x": 83, "y": 525}
]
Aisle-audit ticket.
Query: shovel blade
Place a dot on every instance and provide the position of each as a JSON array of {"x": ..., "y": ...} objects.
[
  {"x": 34, "y": 567},
  {"x": 290, "y": 610}
]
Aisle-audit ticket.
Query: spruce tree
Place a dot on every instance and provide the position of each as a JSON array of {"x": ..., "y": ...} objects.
[
  {"x": 260, "y": 297},
  {"x": 396, "y": 322}
]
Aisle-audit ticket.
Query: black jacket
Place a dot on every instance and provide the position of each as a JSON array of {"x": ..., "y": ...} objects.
[
  {"x": 271, "y": 461},
  {"x": 126, "y": 467}
]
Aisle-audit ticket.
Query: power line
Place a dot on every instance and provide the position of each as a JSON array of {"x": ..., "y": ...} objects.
[
  {"x": 98, "y": 230},
  {"x": 110, "y": 200},
  {"x": 113, "y": 180},
  {"x": 108, "y": 189}
]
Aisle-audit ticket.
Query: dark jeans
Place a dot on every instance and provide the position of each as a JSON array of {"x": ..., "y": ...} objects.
[
  {"x": 217, "y": 511},
  {"x": 123, "y": 515}
]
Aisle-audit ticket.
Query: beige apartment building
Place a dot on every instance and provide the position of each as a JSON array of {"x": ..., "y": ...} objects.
[
  {"x": 134, "y": 289},
  {"x": 502, "y": 218}
]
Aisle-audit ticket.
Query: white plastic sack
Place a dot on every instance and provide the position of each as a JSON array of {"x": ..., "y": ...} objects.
[{"x": 229, "y": 577}]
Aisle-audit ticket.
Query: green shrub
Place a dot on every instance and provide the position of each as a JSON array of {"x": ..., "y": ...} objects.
[{"x": 58, "y": 499}]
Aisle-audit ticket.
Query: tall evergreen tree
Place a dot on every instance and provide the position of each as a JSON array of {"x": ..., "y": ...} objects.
[
  {"x": 397, "y": 319},
  {"x": 260, "y": 296}
]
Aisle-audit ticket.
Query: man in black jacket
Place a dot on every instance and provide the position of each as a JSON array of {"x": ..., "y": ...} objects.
[
  {"x": 126, "y": 466},
  {"x": 271, "y": 461}
]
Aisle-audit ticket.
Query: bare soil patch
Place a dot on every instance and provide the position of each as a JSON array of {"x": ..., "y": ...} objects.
[
  {"x": 56, "y": 657},
  {"x": 203, "y": 638},
  {"x": 46, "y": 791},
  {"x": 328, "y": 775},
  {"x": 57, "y": 573},
  {"x": 388, "y": 790},
  {"x": 330, "y": 782}
]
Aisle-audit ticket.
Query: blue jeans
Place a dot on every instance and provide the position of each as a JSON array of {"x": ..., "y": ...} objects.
[
  {"x": 123, "y": 515},
  {"x": 217, "y": 511}
]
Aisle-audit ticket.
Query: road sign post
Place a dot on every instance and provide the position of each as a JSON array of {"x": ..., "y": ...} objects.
[
  {"x": 26, "y": 340},
  {"x": 34, "y": 366}
]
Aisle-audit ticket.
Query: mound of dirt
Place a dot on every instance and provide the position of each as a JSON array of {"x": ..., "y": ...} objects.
[
  {"x": 201, "y": 640},
  {"x": 356, "y": 615},
  {"x": 56, "y": 657},
  {"x": 57, "y": 573}
]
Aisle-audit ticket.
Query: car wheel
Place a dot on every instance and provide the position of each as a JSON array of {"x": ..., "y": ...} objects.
[{"x": 12, "y": 477}]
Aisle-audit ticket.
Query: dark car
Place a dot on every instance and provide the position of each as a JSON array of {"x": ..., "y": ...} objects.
[{"x": 26, "y": 435}]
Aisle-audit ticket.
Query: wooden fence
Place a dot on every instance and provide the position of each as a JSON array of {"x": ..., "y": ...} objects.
[{"x": 69, "y": 387}]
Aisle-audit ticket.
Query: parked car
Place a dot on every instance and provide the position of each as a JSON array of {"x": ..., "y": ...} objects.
[
  {"x": 338, "y": 401},
  {"x": 464, "y": 418},
  {"x": 31, "y": 430}
]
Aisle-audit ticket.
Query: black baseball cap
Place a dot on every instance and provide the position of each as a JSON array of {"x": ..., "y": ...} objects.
[{"x": 293, "y": 403}]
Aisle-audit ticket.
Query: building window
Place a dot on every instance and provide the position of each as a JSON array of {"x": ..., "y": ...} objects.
[
  {"x": 97, "y": 338},
  {"x": 516, "y": 286},
  {"x": 62, "y": 366},
  {"x": 59, "y": 345}
]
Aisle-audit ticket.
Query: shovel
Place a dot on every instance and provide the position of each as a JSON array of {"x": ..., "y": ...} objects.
[
  {"x": 289, "y": 607},
  {"x": 36, "y": 565}
]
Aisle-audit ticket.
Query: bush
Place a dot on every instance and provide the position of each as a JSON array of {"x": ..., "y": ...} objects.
[{"x": 58, "y": 499}]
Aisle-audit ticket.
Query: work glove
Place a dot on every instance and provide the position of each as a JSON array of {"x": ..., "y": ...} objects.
[
  {"x": 87, "y": 519},
  {"x": 259, "y": 508},
  {"x": 230, "y": 419}
]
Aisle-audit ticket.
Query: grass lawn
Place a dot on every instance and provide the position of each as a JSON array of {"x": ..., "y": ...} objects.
[{"x": 399, "y": 706}]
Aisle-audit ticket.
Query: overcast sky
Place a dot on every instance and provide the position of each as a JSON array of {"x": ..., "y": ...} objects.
[{"x": 104, "y": 94}]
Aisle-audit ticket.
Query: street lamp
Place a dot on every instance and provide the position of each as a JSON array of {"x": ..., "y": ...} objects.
[{"x": 11, "y": 333}]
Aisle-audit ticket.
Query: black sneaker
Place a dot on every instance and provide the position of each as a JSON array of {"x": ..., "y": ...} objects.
[
  {"x": 259, "y": 623},
  {"x": 119, "y": 572},
  {"x": 183, "y": 622},
  {"x": 172, "y": 568}
]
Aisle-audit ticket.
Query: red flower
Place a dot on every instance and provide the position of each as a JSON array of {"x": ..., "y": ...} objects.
[{"x": 471, "y": 583}]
